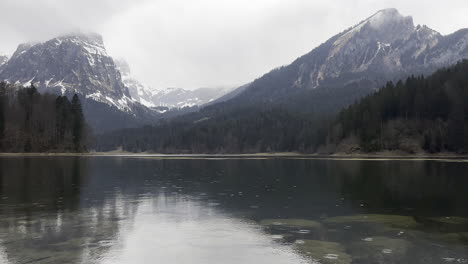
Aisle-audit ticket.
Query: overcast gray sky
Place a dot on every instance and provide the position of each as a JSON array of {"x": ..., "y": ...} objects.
[{"x": 208, "y": 43}]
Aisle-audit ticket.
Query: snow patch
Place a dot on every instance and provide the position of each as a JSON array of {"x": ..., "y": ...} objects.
[
  {"x": 95, "y": 96},
  {"x": 146, "y": 103},
  {"x": 384, "y": 16}
]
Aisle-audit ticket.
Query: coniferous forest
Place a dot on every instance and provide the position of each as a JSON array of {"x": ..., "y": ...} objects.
[
  {"x": 416, "y": 115},
  {"x": 420, "y": 114},
  {"x": 34, "y": 122}
]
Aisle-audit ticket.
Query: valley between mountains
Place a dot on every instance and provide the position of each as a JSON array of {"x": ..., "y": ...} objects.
[{"x": 385, "y": 84}]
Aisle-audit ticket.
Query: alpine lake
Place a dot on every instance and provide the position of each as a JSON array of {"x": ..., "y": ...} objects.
[{"x": 207, "y": 210}]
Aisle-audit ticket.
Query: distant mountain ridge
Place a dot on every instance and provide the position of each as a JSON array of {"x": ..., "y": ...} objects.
[{"x": 167, "y": 97}]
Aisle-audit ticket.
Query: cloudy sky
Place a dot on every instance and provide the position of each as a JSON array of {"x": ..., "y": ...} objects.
[{"x": 208, "y": 43}]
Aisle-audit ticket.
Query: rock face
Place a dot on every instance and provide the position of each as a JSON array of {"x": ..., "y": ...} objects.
[
  {"x": 138, "y": 91},
  {"x": 68, "y": 64},
  {"x": 384, "y": 47},
  {"x": 79, "y": 63},
  {"x": 386, "y": 44},
  {"x": 168, "y": 97},
  {"x": 3, "y": 60}
]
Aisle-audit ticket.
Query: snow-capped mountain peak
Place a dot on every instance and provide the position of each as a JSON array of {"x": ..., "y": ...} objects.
[
  {"x": 385, "y": 46},
  {"x": 68, "y": 64},
  {"x": 385, "y": 26},
  {"x": 386, "y": 42},
  {"x": 387, "y": 16}
]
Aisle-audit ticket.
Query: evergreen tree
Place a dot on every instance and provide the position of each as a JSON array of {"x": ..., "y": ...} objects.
[
  {"x": 426, "y": 113},
  {"x": 78, "y": 129},
  {"x": 32, "y": 122},
  {"x": 3, "y": 102}
]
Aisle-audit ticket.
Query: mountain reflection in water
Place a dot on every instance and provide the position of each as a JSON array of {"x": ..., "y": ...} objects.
[{"x": 130, "y": 210}]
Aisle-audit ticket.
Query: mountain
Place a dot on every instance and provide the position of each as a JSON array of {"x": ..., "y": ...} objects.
[
  {"x": 78, "y": 63},
  {"x": 386, "y": 46},
  {"x": 291, "y": 107},
  {"x": 137, "y": 90},
  {"x": 68, "y": 64},
  {"x": 168, "y": 97},
  {"x": 180, "y": 98}
]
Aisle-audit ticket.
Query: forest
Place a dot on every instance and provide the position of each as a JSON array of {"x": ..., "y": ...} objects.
[
  {"x": 416, "y": 115},
  {"x": 34, "y": 122},
  {"x": 419, "y": 114}
]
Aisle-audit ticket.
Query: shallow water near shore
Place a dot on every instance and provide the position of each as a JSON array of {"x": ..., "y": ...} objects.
[{"x": 146, "y": 210}]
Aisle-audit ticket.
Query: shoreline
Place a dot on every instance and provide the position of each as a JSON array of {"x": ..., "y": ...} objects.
[{"x": 281, "y": 155}]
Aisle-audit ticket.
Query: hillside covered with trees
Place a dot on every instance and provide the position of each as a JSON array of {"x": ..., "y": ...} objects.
[
  {"x": 34, "y": 122},
  {"x": 419, "y": 114},
  {"x": 416, "y": 115}
]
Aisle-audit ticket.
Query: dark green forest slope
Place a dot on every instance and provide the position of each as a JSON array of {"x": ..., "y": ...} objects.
[
  {"x": 420, "y": 114},
  {"x": 34, "y": 122}
]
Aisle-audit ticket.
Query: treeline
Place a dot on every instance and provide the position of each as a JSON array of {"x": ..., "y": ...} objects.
[
  {"x": 34, "y": 122},
  {"x": 416, "y": 115},
  {"x": 420, "y": 114},
  {"x": 248, "y": 131},
  {"x": 297, "y": 122}
]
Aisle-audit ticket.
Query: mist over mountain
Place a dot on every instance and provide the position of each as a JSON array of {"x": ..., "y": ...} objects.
[
  {"x": 78, "y": 63},
  {"x": 167, "y": 97},
  {"x": 386, "y": 46}
]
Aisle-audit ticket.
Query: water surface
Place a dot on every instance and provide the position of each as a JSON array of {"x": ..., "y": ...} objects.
[{"x": 144, "y": 210}]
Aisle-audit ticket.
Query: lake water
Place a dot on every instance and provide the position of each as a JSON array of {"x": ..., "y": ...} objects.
[{"x": 148, "y": 210}]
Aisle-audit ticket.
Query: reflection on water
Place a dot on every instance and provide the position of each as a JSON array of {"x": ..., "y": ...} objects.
[
  {"x": 128, "y": 210},
  {"x": 181, "y": 230}
]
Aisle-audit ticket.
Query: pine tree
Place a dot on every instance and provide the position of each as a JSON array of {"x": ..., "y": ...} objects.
[
  {"x": 2, "y": 112},
  {"x": 78, "y": 128}
]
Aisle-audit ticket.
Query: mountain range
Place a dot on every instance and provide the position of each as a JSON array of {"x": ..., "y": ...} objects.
[
  {"x": 386, "y": 46},
  {"x": 288, "y": 109},
  {"x": 167, "y": 97},
  {"x": 79, "y": 63}
]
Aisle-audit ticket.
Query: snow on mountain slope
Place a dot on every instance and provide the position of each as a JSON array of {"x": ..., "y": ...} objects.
[
  {"x": 137, "y": 90},
  {"x": 386, "y": 46},
  {"x": 180, "y": 98},
  {"x": 3, "y": 60},
  {"x": 383, "y": 46},
  {"x": 167, "y": 97},
  {"x": 68, "y": 64}
]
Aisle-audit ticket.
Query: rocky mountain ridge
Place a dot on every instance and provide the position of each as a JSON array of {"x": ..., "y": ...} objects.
[
  {"x": 170, "y": 97},
  {"x": 68, "y": 64},
  {"x": 386, "y": 46}
]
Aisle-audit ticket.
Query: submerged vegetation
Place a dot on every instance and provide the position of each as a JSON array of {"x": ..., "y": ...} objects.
[{"x": 370, "y": 238}]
